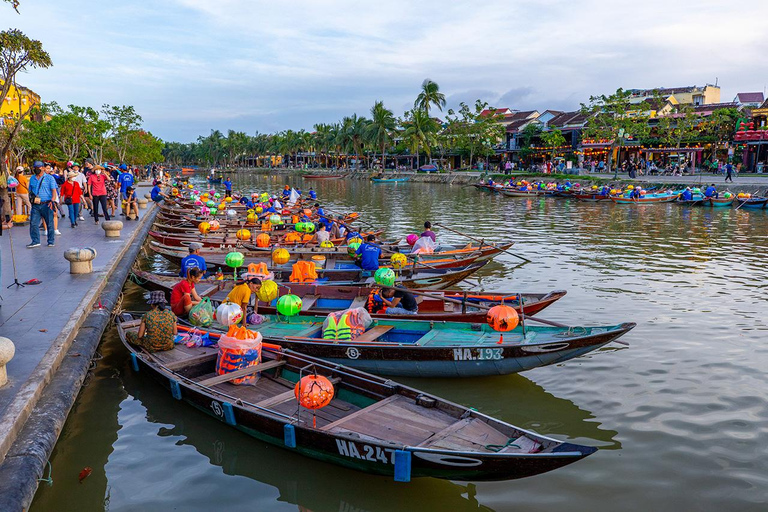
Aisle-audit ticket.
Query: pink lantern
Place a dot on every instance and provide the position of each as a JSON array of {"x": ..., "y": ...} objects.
[
  {"x": 198, "y": 203},
  {"x": 412, "y": 239},
  {"x": 205, "y": 210}
]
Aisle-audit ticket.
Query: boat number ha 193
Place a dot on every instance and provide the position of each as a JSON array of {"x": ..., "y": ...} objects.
[
  {"x": 365, "y": 452},
  {"x": 478, "y": 354}
]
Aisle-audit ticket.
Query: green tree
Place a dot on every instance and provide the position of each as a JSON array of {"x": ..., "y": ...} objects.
[
  {"x": 69, "y": 131},
  {"x": 553, "y": 139},
  {"x": 121, "y": 122},
  {"x": 430, "y": 95},
  {"x": 681, "y": 126},
  {"x": 143, "y": 148},
  {"x": 474, "y": 130},
  {"x": 721, "y": 126},
  {"x": 381, "y": 128},
  {"x": 528, "y": 136},
  {"x": 420, "y": 132}
]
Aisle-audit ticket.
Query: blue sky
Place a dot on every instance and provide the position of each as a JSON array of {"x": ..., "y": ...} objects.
[{"x": 189, "y": 66}]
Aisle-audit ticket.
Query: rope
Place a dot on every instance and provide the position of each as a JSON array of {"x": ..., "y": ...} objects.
[
  {"x": 496, "y": 448},
  {"x": 48, "y": 480}
]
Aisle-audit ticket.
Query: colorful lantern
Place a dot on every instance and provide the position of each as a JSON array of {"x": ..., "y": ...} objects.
[
  {"x": 215, "y": 225},
  {"x": 214, "y": 211},
  {"x": 502, "y": 318},
  {"x": 228, "y": 313},
  {"x": 384, "y": 277},
  {"x": 398, "y": 260},
  {"x": 204, "y": 227},
  {"x": 327, "y": 244},
  {"x": 289, "y": 305},
  {"x": 280, "y": 256},
  {"x": 268, "y": 291},
  {"x": 252, "y": 218},
  {"x": 234, "y": 259},
  {"x": 275, "y": 219},
  {"x": 243, "y": 234},
  {"x": 314, "y": 391},
  {"x": 262, "y": 240}
]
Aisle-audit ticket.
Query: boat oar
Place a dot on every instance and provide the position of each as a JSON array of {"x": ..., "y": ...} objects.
[{"x": 483, "y": 242}]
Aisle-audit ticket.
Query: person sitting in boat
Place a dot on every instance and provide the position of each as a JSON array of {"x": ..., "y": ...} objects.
[
  {"x": 369, "y": 253},
  {"x": 243, "y": 200},
  {"x": 286, "y": 191},
  {"x": 523, "y": 187},
  {"x": 403, "y": 303},
  {"x": 635, "y": 194},
  {"x": 379, "y": 301},
  {"x": 711, "y": 191},
  {"x": 687, "y": 195},
  {"x": 605, "y": 191},
  {"x": 184, "y": 295},
  {"x": 428, "y": 231},
  {"x": 193, "y": 260},
  {"x": 490, "y": 182},
  {"x": 158, "y": 326},
  {"x": 312, "y": 194},
  {"x": 241, "y": 293},
  {"x": 322, "y": 234}
]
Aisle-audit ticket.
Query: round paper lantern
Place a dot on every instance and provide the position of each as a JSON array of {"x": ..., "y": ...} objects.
[
  {"x": 229, "y": 313},
  {"x": 314, "y": 391},
  {"x": 502, "y": 318},
  {"x": 307, "y": 212},
  {"x": 412, "y": 238},
  {"x": 243, "y": 234},
  {"x": 210, "y": 204},
  {"x": 234, "y": 259},
  {"x": 251, "y": 218},
  {"x": 280, "y": 256},
  {"x": 214, "y": 211},
  {"x": 259, "y": 209},
  {"x": 398, "y": 260},
  {"x": 190, "y": 186},
  {"x": 227, "y": 199},
  {"x": 293, "y": 237},
  {"x": 384, "y": 277},
  {"x": 309, "y": 227},
  {"x": 215, "y": 225},
  {"x": 175, "y": 192},
  {"x": 289, "y": 305},
  {"x": 231, "y": 213},
  {"x": 223, "y": 206},
  {"x": 262, "y": 240},
  {"x": 352, "y": 248},
  {"x": 204, "y": 227},
  {"x": 327, "y": 244},
  {"x": 217, "y": 195},
  {"x": 198, "y": 203},
  {"x": 356, "y": 240},
  {"x": 275, "y": 219},
  {"x": 268, "y": 291}
]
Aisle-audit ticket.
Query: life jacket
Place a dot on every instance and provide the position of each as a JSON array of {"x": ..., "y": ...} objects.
[
  {"x": 266, "y": 226},
  {"x": 373, "y": 306},
  {"x": 258, "y": 269},
  {"x": 303, "y": 272},
  {"x": 338, "y": 328}
]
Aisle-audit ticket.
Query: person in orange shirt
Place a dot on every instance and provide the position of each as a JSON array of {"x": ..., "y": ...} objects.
[{"x": 22, "y": 192}]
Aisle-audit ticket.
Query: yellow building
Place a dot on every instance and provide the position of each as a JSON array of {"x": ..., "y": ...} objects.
[
  {"x": 10, "y": 107},
  {"x": 691, "y": 95}
]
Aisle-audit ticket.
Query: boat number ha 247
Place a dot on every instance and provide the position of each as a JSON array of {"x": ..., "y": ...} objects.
[
  {"x": 365, "y": 452},
  {"x": 478, "y": 354}
]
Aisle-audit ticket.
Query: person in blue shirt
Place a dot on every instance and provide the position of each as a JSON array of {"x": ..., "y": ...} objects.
[
  {"x": 687, "y": 195},
  {"x": 227, "y": 187},
  {"x": 243, "y": 200},
  {"x": 605, "y": 191},
  {"x": 157, "y": 194},
  {"x": 193, "y": 260},
  {"x": 312, "y": 194},
  {"x": 711, "y": 191},
  {"x": 46, "y": 197},
  {"x": 125, "y": 179},
  {"x": 351, "y": 234},
  {"x": 635, "y": 193},
  {"x": 250, "y": 204},
  {"x": 286, "y": 191},
  {"x": 369, "y": 254}
]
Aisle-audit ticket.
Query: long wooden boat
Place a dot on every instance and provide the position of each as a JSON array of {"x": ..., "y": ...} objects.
[
  {"x": 521, "y": 193},
  {"x": 389, "y": 180},
  {"x": 322, "y": 176},
  {"x": 324, "y": 299},
  {"x": 648, "y": 198},
  {"x": 372, "y": 424},
  {"x": 486, "y": 187},
  {"x": 591, "y": 198},
  {"x": 720, "y": 202},
  {"x": 217, "y": 240},
  {"x": 753, "y": 202},
  {"x": 214, "y": 181}
]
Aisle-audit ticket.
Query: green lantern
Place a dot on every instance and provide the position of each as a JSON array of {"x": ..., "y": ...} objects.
[
  {"x": 289, "y": 305},
  {"x": 384, "y": 277},
  {"x": 214, "y": 211},
  {"x": 352, "y": 248},
  {"x": 309, "y": 227},
  {"x": 275, "y": 219},
  {"x": 217, "y": 195},
  {"x": 299, "y": 226},
  {"x": 234, "y": 259},
  {"x": 210, "y": 204}
]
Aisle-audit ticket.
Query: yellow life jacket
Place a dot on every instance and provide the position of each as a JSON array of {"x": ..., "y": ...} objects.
[{"x": 338, "y": 329}]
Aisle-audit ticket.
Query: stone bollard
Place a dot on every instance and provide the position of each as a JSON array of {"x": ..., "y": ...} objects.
[
  {"x": 147, "y": 196},
  {"x": 7, "y": 351},
  {"x": 80, "y": 260},
  {"x": 112, "y": 228},
  {"x": 143, "y": 204}
]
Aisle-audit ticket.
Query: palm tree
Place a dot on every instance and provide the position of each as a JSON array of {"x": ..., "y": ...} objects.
[
  {"x": 381, "y": 127},
  {"x": 354, "y": 130},
  {"x": 420, "y": 131},
  {"x": 430, "y": 95}
]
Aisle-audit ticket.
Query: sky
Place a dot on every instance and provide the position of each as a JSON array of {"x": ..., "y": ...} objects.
[{"x": 190, "y": 66}]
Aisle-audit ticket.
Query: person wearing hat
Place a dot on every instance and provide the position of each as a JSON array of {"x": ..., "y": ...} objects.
[
  {"x": 71, "y": 194},
  {"x": 193, "y": 260},
  {"x": 44, "y": 196},
  {"x": 97, "y": 189},
  {"x": 241, "y": 294},
  {"x": 158, "y": 326},
  {"x": 82, "y": 181},
  {"x": 125, "y": 179},
  {"x": 22, "y": 192}
]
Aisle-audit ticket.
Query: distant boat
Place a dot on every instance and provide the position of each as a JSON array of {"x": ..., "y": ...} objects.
[
  {"x": 214, "y": 181},
  {"x": 322, "y": 176},
  {"x": 388, "y": 180},
  {"x": 428, "y": 168}
]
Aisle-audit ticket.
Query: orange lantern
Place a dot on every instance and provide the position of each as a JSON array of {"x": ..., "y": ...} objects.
[
  {"x": 262, "y": 240},
  {"x": 215, "y": 225},
  {"x": 314, "y": 391},
  {"x": 204, "y": 227},
  {"x": 502, "y": 318},
  {"x": 280, "y": 256}
]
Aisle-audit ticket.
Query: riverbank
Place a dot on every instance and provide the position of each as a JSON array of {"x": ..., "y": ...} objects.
[{"x": 56, "y": 326}]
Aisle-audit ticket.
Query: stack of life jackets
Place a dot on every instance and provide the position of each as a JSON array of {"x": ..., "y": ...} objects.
[{"x": 346, "y": 325}]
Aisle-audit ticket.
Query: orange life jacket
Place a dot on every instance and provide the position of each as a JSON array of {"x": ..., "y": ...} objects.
[
  {"x": 303, "y": 272},
  {"x": 374, "y": 307}
]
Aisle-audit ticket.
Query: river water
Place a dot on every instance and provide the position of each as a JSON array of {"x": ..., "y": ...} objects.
[{"x": 680, "y": 416}]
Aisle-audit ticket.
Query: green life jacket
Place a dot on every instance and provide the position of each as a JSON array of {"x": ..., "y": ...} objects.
[{"x": 339, "y": 330}]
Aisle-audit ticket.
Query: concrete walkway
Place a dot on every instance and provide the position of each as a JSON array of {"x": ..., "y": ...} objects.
[{"x": 42, "y": 320}]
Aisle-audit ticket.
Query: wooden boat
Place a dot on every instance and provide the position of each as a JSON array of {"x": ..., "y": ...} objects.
[
  {"x": 324, "y": 299},
  {"x": 372, "y": 424},
  {"x": 648, "y": 198},
  {"x": 591, "y": 198},
  {"x": 486, "y": 187},
  {"x": 753, "y": 202},
  {"x": 719, "y": 202},
  {"x": 509, "y": 192},
  {"x": 214, "y": 181},
  {"x": 338, "y": 261},
  {"x": 227, "y": 239},
  {"x": 389, "y": 180},
  {"x": 322, "y": 176}
]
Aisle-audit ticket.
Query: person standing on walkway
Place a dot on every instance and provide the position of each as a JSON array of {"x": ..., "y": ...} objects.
[
  {"x": 22, "y": 192},
  {"x": 729, "y": 172},
  {"x": 125, "y": 179},
  {"x": 71, "y": 194},
  {"x": 44, "y": 197},
  {"x": 97, "y": 188},
  {"x": 82, "y": 181}
]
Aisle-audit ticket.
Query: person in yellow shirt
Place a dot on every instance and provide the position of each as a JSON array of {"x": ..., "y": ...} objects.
[{"x": 241, "y": 294}]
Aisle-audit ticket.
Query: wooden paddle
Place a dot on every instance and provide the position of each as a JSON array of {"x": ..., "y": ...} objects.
[{"x": 483, "y": 242}]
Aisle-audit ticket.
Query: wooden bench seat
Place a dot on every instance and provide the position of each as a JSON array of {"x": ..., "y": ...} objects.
[
  {"x": 374, "y": 332},
  {"x": 243, "y": 372}
]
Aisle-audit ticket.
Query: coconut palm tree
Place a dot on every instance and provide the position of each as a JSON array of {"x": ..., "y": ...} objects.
[
  {"x": 430, "y": 95},
  {"x": 381, "y": 127},
  {"x": 420, "y": 131}
]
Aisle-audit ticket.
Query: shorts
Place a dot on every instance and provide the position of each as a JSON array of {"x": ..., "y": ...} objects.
[{"x": 180, "y": 308}]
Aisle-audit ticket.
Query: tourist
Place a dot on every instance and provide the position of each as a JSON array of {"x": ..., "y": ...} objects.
[
  {"x": 286, "y": 191},
  {"x": 711, "y": 191},
  {"x": 322, "y": 234},
  {"x": 158, "y": 326},
  {"x": 97, "y": 189},
  {"x": 43, "y": 197},
  {"x": 157, "y": 194},
  {"x": 22, "y": 192},
  {"x": 227, "y": 187},
  {"x": 71, "y": 194},
  {"x": 241, "y": 294},
  {"x": 125, "y": 180},
  {"x": 193, "y": 260},
  {"x": 184, "y": 295},
  {"x": 51, "y": 170},
  {"x": 729, "y": 172},
  {"x": 82, "y": 181},
  {"x": 113, "y": 193},
  {"x": 312, "y": 194},
  {"x": 428, "y": 231},
  {"x": 369, "y": 253},
  {"x": 131, "y": 206},
  {"x": 403, "y": 303}
]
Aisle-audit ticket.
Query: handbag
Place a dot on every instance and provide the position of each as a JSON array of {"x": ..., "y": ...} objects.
[
  {"x": 67, "y": 201},
  {"x": 33, "y": 195}
]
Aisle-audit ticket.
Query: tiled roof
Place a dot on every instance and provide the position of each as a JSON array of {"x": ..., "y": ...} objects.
[
  {"x": 576, "y": 118},
  {"x": 750, "y": 97}
]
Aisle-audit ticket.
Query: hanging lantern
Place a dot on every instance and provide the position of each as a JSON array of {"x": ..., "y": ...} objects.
[
  {"x": 217, "y": 195},
  {"x": 384, "y": 277},
  {"x": 204, "y": 227},
  {"x": 214, "y": 211},
  {"x": 413, "y": 238},
  {"x": 227, "y": 199},
  {"x": 327, "y": 244},
  {"x": 228, "y": 313},
  {"x": 234, "y": 259},
  {"x": 275, "y": 219},
  {"x": 268, "y": 291},
  {"x": 289, "y": 305},
  {"x": 231, "y": 213},
  {"x": 243, "y": 234},
  {"x": 502, "y": 318},
  {"x": 314, "y": 391},
  {"x": 259, "y": 209},
  {"x": 398, "y": 260},
  {"x": 262, "y": 240},
  {"x": 280, "y": 256},
  {"x": 352, "y": 248},
  {"x": 251, "y": 218},
  {"x": 215, "y": 225},
  {"x": 210, "y": 204}
]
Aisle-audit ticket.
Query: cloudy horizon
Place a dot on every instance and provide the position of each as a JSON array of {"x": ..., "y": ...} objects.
[{"x": 190, "y": 66}]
